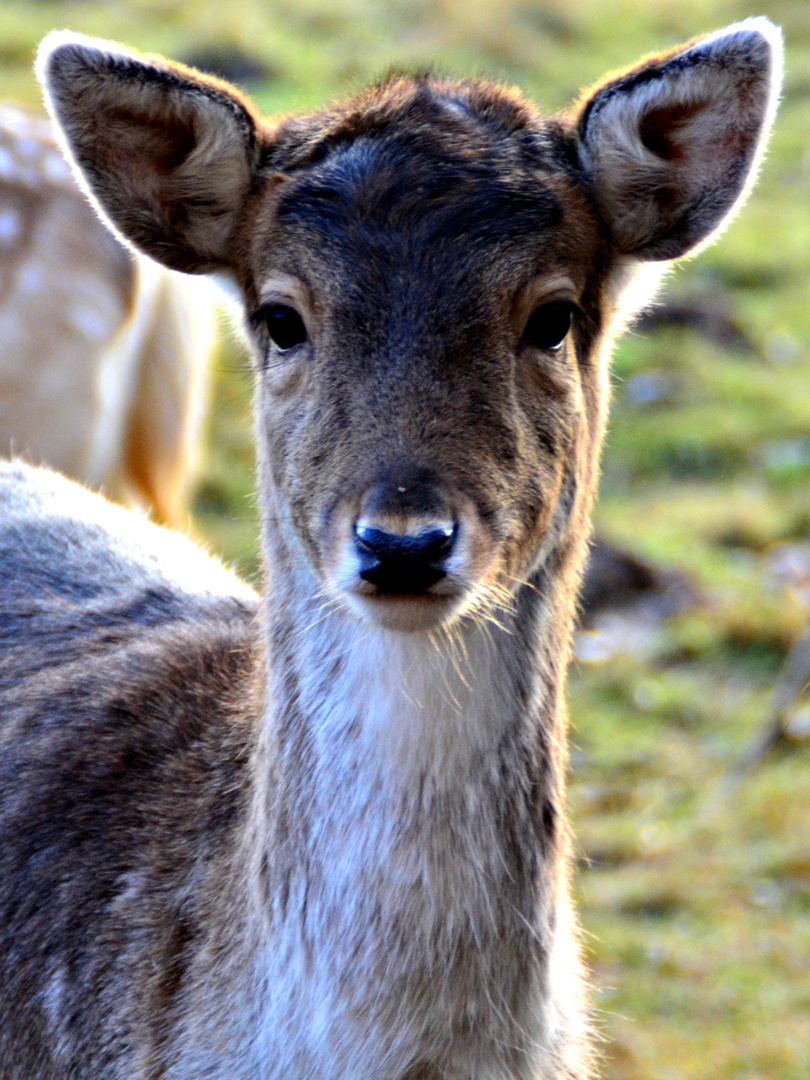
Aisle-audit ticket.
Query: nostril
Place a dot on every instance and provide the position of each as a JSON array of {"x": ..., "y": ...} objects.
[
  {"x": 403, "y": 562},
  {"x": 428, "y": 544}
]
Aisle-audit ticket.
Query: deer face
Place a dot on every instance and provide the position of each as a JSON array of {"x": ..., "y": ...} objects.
[
  {"x": 426, "y": 272},
  {"x": 416, "y": 300}
]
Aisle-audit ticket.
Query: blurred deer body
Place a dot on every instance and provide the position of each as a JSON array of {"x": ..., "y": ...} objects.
[
  {"x": 103, "y": 355},
  {"x": 323, "y": 835}
]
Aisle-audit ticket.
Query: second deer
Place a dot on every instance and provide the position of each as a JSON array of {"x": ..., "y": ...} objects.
[
  {"x": 322, "y": 836},
  {"x": 103, "y": 355}
]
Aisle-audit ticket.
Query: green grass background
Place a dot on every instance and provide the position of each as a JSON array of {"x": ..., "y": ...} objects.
[{"x": 694, "y": 885}]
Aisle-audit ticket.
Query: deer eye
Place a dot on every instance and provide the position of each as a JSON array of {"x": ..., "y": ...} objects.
[
  {"x": 284, "y": 325},
  {"x": 548, "y": 325}
]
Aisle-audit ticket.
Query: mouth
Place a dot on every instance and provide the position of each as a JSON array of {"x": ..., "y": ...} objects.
[{"x": 406, "y": 611}]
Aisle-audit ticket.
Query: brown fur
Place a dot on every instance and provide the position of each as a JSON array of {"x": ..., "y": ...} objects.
[{"x": 329, "y": 840}]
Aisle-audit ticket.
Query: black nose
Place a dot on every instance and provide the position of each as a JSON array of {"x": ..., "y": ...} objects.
[{"x": 403, "y": 562}]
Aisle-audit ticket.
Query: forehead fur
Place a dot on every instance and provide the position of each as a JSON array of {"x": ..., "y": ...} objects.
[
  {"x": 446, "y": 158},
  {"x": 429, "y": 108}
]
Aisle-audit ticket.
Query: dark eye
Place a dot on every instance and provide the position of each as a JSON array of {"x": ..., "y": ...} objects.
[
  {"x": 548, "y": 325},
  {"x": 284, "y": 325}
]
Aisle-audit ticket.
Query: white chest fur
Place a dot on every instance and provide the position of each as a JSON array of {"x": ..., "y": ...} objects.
[{"x": 400, "y": 925}]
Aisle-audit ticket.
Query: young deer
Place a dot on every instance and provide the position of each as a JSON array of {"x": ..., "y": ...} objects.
[
  {"x": 102, "y": 356},
  {"x": 322, "y": 835}
]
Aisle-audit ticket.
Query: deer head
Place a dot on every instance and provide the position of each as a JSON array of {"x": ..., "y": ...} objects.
[{"x": 428, "y": 273}]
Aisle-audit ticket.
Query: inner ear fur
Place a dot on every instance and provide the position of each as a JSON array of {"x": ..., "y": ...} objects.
[
  {"x": 672, "y": 146},
  {"x": 167, "y": 154}
]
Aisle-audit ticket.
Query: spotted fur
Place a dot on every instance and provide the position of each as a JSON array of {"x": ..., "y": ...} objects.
[{"x": 104, "y": 357}]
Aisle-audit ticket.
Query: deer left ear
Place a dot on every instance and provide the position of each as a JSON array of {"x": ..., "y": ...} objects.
[
  {"x": 167, "y": 154},
  {"x": 672, "y": 146}
]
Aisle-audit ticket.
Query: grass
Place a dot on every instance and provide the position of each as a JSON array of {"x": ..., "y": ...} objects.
[{"x": 694, "y": 882}]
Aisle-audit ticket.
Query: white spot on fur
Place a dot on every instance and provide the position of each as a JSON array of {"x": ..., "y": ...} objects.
[
  {"x": 9, "y": 227},
  {"x": 91, "y": 323},
  {"x": 28, "y": 147},
  {"x": 56, "y": 168},
  {"x": 30, "y": 279},
  {"x": 8, "y": 166}
]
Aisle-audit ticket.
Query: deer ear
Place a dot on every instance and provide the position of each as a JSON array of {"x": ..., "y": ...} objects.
[
  {"x": 166, "y": 154},
  {"x": 672, "y": 146}
]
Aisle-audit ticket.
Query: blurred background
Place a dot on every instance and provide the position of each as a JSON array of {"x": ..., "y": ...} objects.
[{"x": 690, "y": 777}]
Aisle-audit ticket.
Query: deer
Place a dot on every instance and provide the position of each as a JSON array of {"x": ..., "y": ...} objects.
[
  {"x": 104, "y": 354},
  {"x": 319, "y": 832}
]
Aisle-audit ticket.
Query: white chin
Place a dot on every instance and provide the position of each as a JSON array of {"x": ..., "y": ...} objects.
[{"x": 406, "y": 613}]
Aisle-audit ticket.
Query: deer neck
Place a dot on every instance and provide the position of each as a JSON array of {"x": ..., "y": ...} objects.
[{"x": 415, "y": 814}]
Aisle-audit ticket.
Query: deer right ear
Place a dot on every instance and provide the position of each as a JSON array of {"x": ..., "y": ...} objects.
[
  {"x": 671, "y": 147},
  {"x": 167, "y": 154}
]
